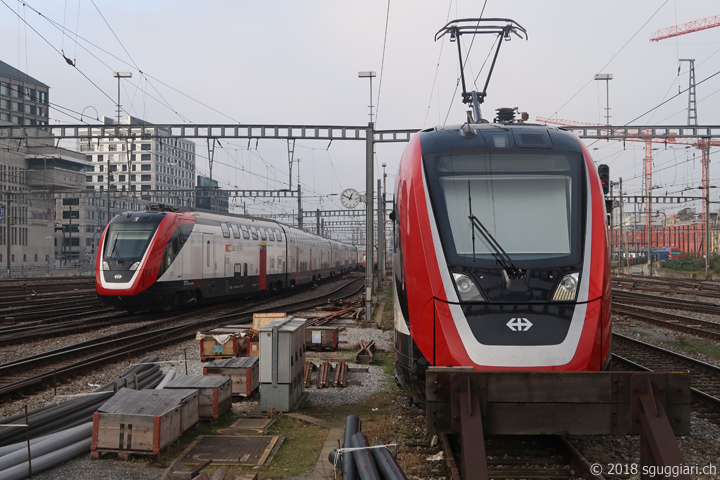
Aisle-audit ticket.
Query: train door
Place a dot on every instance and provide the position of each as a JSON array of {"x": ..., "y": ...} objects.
[
  {"x": 208, "y": 266},
  {"x": 263, "y": 267},
  {"x": 297, "y": 265},
  {"x": 310, "y": 266}
]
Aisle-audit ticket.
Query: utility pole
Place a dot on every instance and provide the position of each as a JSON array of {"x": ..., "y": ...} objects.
[
  {"x": 623, "y": 244},
  {"x": 369, "y": 196},
  {"x": 380, "y": 235},
  {"x": 692, "y": 102},
  {"x": 369, "y": 263},
  {"x": 383, "y": 270},
  {"x": 8, "y": 227}
]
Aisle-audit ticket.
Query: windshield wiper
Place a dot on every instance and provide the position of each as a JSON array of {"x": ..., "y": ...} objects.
[
  {"x": 114, "y": 247},
  {"x": 502, "y": 257}
]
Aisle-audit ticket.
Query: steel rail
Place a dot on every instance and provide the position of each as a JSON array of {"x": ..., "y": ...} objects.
[
  {"x": 105, "y": 349},
  {"x": 694, "y": 326},
  {"x": 638, "y": 355}
]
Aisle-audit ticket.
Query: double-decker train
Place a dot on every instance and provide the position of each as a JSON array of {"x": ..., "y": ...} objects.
[
  {"x": 501, "y": 257},
  {"x": 160, "y": 258}
]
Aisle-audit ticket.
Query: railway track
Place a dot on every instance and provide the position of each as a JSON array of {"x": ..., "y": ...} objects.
[
  {"x": 524, "y": 457},
  {"x": 632, "y": 354},
  {"x": 701, "y": 288},
  {"x": 694, "y": 326},
  {"x": 38, "y": 370},
  {"x": 658, "y": 301},
  {"x": 12, "y": 290}
]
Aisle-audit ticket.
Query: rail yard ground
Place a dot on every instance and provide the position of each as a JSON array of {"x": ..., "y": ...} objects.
[{"x": 385, "y": 411}]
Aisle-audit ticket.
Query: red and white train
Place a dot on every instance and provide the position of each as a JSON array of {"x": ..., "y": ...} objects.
[
  {"x": 501, "y": 257},
  {"x": 160, "y": 259}
]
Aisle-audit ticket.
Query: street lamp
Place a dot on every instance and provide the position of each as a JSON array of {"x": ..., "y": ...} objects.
[
  {"x": 117, "y": 75},
  {"x": 607, "y": 77},
  {"x": 369, "y": 75}
]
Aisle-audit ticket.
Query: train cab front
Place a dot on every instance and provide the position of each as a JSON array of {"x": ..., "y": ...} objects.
[
  {"x": 125, "y": 269},
  {"x": 516, "y": 275}
]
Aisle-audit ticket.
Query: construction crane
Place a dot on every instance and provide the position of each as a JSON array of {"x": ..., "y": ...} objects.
[
  {"x": 702, "y": 143},
  {"x": 689, "y": 27}
]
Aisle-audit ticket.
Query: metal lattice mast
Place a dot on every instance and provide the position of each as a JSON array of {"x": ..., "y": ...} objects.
[
  {"x": 648, "y": 193},
  {"x": 692, "y": 99}
]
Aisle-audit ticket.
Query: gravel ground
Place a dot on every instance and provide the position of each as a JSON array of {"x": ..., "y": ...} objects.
[
  {"x": 83, "y": 468},
  {"x": 700, "y": 448}
]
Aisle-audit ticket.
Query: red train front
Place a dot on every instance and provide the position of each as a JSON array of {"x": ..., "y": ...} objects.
[{"x": 501, "y": 256}]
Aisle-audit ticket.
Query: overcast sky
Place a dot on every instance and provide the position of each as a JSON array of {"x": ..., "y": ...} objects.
[{"x": 293, "y": 62}]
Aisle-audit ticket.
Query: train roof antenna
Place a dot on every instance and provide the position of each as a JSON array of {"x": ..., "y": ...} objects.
[{"x": 475, "y": 26}]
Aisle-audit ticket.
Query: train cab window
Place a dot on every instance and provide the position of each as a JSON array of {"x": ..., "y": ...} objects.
[
  {"x": 225, "y": 230},
  {"x": 271, "y": 235},
  {"x": 278, "y": 235},
  {"x": 516, "y": 195},
  {"x": 263, "y": 235},
  {"x": 245, "y": 232},
  {"x": 254, "y": 232},
  {"x": 235, "y": 230}
]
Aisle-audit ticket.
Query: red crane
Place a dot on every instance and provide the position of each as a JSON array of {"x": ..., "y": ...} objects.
[
  {"x": 702, "y": 143},
  {"x": 689, "y": 27}
]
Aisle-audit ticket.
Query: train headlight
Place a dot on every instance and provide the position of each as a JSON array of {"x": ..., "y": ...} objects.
[
  {"x": 134, "y": 266},
  {"x": 567, "y": 290},
  {"x": 106, "y": 266},
  {"x": 466, "y": 288}
]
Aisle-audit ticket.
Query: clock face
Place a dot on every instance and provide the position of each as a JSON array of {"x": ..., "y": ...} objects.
[{"x": 350, "y": 198}]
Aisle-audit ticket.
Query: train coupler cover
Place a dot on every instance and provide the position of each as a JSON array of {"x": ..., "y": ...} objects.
[{"x": 545, "y": 402}]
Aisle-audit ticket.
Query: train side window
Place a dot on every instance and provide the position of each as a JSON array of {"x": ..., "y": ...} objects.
[
  {"x": 271, "y": 234},
  {"x": 244, "y": 269},
  {"x": 207, "y": 255},
  {"x": 225, "y": 230},
  {"x": 278, "y": 235},
  {"x": 237, "y": 270},
  {"x": 272, "y": 264},
  {"x": 245, "y": 231},
  {"x": 254, "y": 232},
  {"x": 235, "y": 230},
  {"x": 263, "y": 235}
]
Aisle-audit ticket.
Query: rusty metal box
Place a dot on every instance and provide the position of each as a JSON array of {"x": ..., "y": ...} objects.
[
  {"x": 214, "y": 393},
  {"x": 244, "y": 372},
  {"x": 139, "y": 422},
  {"x": 321, "y": 337},
  {"x": 223, "y": 342}
]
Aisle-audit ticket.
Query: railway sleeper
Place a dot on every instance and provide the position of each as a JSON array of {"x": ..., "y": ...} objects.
[{"x": 473, "y": 404}]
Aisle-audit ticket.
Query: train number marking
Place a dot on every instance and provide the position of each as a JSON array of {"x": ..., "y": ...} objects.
[{"x": 519, "y": 324}]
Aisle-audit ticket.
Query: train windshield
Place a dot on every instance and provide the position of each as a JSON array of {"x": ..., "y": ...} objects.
[
  {"x": 128, "y": 240},
  {"x": 528, "y": 201}
]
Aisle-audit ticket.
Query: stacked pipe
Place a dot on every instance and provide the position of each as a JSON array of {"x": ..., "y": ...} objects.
[
  {"x": 62, "y": 431},
  {"x": 358, "y": 460},
  {"x": 59, "y": 416}
]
